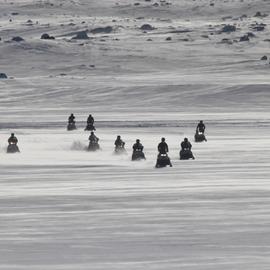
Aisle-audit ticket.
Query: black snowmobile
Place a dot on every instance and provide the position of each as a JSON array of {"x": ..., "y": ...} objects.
[
  {"x": 137, "y": 154},
  {"x": 13, "y": 148},
  {"x": 71, "y": 126},
  {"x": 90, "y": 127},
  {"x": 93, "y": 146},
  {"x": 186, "y": 154},
  {"x": 163, "y": 160},
  {"x": 199, "y": 137}
]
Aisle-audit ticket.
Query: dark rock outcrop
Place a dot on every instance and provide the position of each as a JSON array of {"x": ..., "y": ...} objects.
[
  {"x": 98, "y": 30},
  {"x": 147, "y": 27},
  {"x": 3, "y": 76},
  {"x": 244, "y": 38},
  {"x": 258, "y": 26},
  {"x": 46, "y": 36},
  {"x": 259, "y": 14},
  {"x": 81, "y": 35},
  {"x": 226, "y": 41},
  {"x": 228, "y": 28},
  {"x": 17, "y": 39}
]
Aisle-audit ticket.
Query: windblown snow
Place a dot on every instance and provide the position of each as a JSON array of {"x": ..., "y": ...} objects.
[{"x": 64, "y": 208}]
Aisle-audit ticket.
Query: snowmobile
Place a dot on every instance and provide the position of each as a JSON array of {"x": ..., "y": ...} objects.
[
  {"x": 137, "y": 155},
  {"x": 90, "y": 127},
  {"x": 93, "y": 146},
  {"x": 71, "y": 126},
  {"x": 13, "y": 148},
  {"x": 186, "y": 154},
  {"x": 199, "y": 137},
  {"x": 163, "y": 160},
  {"x": 120, "y": 149}
]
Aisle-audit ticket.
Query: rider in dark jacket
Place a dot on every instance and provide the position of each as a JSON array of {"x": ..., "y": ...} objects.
[
  {"x": 12, "y": 139},
  {"x": 93, "y": 138},
  {"x": 118, "y": 142},
  {"x": 137, "y": 146},
  {"x": 163, "y": 147},
  {"x": 90, "y": 120},
  {"x": 201, "y": 127},
  {"x": 71, "y": 119},
  {"x": 186, "y": 145}
]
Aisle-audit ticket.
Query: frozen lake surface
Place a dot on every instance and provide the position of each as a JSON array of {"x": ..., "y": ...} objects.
[{"x": 66, "y": 209}]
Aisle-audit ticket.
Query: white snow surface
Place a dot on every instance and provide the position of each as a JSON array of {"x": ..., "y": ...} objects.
[{"x": 64, "y": 208}]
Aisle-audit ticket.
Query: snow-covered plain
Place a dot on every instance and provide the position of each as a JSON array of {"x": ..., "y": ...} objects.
[{"x": 64, "y": 208}]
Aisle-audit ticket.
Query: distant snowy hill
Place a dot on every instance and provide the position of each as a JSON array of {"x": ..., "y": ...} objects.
[{"x": 186, "y": 63}]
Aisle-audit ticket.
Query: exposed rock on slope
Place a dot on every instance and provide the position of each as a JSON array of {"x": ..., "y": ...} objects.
[
  {"x": 46, "y": 36},
  {"x": 81, "y": 35},
  {"x": 17, "y": 39},
  {"x": 3, "y": 76},
  {"x": 107, "y": 30}
]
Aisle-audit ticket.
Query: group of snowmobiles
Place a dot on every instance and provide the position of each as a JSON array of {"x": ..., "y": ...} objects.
[
  {"x": 72, "y": 123},
  {"x": 163, "y": 159}
]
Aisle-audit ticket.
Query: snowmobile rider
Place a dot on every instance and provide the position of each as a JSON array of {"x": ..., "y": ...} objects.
[
  {"x": 93, "y": 138},
  {"x": 186, "y": 146},
  {"x": 137, "y": 146},
  {"x": 90, "y": 120},
  {"x": 163, "y": 147},
  {"x": 71, "y": 119},
  {"x": 200, "y": 127},
  {"x": 12, "y": 139},
  {"x": 118, "y": 142}
]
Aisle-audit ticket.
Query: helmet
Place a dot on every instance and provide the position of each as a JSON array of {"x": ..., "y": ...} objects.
[
  {"x": 163, "y": 139},
  {"x": 185, "y": 139},
  {"x": 137, "y": 141}
]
